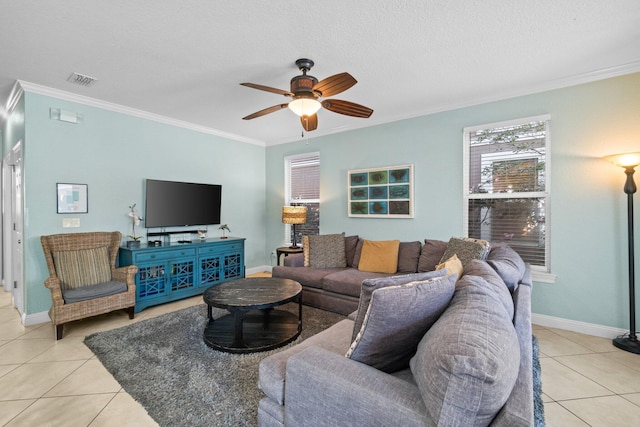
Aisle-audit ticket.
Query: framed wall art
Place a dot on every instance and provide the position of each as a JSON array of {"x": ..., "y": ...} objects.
[
  {"x": 385, "y": 192},
  {"x": 72, "y": 198}
]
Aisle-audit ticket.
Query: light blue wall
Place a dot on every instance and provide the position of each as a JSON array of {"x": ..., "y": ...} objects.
[
  {"x": 588, "y": 208},
  {"x": 113, "y": 153}
]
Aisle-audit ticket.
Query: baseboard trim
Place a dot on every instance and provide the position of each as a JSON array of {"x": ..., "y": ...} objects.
[
  {"x": 576, "y": 326},
  {"x": 35, "y": 318},
  {"x": 259, "y": 269}
]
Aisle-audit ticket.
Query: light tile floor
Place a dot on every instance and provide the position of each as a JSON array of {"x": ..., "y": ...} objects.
[{"x": 44, "y": 382}]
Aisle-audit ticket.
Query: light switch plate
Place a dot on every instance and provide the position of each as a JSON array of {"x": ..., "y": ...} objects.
[{"x": 70, "y": 222}]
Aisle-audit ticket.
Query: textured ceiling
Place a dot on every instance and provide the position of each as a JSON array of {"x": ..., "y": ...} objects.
[{"x": 184, "y": 60}]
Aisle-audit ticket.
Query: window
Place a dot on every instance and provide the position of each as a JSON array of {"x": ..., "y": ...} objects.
[
  {"x": 507, "y": 186},
  {"x": 302, "y": 187}
]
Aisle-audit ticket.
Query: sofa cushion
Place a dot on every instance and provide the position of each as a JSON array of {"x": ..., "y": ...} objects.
[
  {"x": 370, "y": 285},
  {"x": 84, "y": 267},
  {"x": 327, "y": 251},
  {"x": 507, "y": 263},
  {"x": 348, "y": 281},
  {"x": 467, "y": 363},
  {"x": 84, "y": 293},
  {"x": 379, "y": 256},
  {"x": 350, "y": 243},
  {"x": 452, "y": 265},
  {"x": 431, "y": 254},
  {"x": 481, "y": 269},
  {"x": 397, "y": 318},
  {"x": 466, "y": 249},
  {"x": 272, "y": 369},
  {"x": 306, "y": 276},
  {"x": 408, "y": 255}
]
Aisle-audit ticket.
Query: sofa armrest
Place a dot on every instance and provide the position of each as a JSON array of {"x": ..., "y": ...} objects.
[
  {"x": 294, "y": 260},
  {"x": 328, "y": 389},
  {"x": 518, "y": 410}
]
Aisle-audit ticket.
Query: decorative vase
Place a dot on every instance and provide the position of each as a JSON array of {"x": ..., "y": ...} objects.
[{"x": 133, "y": 244}]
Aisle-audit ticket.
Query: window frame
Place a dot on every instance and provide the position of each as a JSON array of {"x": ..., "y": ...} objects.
[
  {"x": 539, "y": 273},
  {"x": 291, "y": 199}
]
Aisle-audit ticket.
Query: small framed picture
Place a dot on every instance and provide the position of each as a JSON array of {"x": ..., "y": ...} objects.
[{"x": 72, "y": 198}]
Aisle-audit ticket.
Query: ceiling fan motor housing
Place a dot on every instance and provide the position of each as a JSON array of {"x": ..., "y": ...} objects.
[{"x": 302, "y": 86}]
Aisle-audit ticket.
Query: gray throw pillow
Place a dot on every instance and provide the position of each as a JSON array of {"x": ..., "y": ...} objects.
[
  {"x": 408, "y": 255},
  {"x": 358, "y": 253},
  {"x": 327, "y": 251},
  {"x": 350, "y": 243},
  {"x": 396, "y": 320},
  {"x": 466, "y": 249},
  {"x": 370, "y": 285},
  {"x": 507, "y": 263},
  {"x": 467, "y": 363},
  {"x": 431, "y": 254}
]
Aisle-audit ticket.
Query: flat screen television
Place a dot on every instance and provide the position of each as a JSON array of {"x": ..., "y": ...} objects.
[{"x": 170, "y": 203}]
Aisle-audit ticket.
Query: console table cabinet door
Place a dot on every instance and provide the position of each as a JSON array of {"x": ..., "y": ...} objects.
[
  {"x": 169, "y": 273},
  {"x": 151, "y": 280}
]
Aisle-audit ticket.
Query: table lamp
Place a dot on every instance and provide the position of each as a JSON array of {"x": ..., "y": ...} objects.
[
  {"x": 294, "y": 215},
  {"x": 629, "y": 161}
]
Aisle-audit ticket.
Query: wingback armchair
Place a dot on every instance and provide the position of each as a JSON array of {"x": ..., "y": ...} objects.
[{"x": 83, "y": 278}]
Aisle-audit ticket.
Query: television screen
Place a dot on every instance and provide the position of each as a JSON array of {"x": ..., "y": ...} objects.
[{"x": 170, "y": 203}]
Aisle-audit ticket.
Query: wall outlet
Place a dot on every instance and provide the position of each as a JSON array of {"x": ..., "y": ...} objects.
[{"x": 70, "y": 222}]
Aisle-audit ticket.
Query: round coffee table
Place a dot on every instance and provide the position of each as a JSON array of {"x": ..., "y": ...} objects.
[{"x": 252, "y": 323}]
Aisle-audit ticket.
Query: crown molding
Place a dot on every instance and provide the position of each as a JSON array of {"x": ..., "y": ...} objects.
[{"x": 105, "y": 105}]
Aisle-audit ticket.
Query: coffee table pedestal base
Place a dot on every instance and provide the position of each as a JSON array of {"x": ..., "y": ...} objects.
[{"x": 252, "y": 331}]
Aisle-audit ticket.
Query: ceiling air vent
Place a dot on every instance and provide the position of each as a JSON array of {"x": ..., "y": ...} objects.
[{"x": 81, "y": 79}]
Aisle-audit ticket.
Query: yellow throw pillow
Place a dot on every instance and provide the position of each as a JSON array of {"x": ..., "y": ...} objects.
[
  {"x": 379, "y": 256},
  {"x": 305, "y": 250},
  {"x": 453, "y": 266}
]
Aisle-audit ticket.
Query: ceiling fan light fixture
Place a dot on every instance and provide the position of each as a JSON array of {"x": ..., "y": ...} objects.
[{"x": 305, "y": 106}]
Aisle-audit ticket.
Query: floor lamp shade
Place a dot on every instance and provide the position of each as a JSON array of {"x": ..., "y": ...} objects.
[
  {"x": 294, "y": 215},
  {"x": 629, "y": 161}
]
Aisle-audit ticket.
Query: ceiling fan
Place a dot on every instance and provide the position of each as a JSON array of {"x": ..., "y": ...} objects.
[{"x": 306, "y": 92}]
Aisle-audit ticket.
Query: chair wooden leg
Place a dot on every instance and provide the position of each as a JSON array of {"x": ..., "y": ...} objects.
[
  {"x": 59, "y": 332},
  {"x": 131, "y": 312}
]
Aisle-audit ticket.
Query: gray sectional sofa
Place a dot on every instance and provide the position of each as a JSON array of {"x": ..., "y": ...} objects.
[
  {"x": 337, "y": 289},
  {"x": 467, "y": 363}
]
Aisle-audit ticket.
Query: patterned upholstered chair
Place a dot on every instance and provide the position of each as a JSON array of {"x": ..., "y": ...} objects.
[{"x": 83, "y": 278}]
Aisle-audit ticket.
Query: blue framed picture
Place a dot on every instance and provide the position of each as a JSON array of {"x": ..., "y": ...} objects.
[{"x": 384, "y": 192}]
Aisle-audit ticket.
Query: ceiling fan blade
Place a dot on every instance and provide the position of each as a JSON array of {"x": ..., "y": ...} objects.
[
  {"x": 309, "y": 123},
  {"x": 335, "y": 84},
  {"x": 268, "y": 89},
  {"x": 347, "y": 108},
  {"x": 265, "y": 111}
]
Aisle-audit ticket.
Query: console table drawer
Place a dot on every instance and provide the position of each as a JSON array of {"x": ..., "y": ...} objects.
[
  {"x": 227, "y": 247},
  {"x": 162, "y": 255}
]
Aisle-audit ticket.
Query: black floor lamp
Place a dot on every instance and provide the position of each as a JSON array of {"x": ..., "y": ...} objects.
[{"x": 629, "y": 161}]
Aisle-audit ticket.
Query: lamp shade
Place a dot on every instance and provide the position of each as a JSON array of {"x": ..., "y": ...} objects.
[
  {"x": 304, "y": 106},
  {"x": 625, "y": 160},
  {"x": 294, "y": 214}
]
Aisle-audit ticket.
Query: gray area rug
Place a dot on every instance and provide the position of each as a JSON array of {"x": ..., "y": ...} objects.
[
  {"x": 538, "y": 404},
  {"x": 164, "y": 364}
]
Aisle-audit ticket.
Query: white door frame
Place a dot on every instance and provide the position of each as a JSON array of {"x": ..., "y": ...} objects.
[{"x": 12, "y": 221}]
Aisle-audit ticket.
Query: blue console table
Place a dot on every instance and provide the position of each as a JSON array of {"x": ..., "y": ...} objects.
[{"x": 180, "y": 270}]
